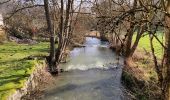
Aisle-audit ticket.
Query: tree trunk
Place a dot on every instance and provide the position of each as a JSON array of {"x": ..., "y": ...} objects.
[
  {"x": 128, "y": 44},
  {"x": 51, "y": 59},
  {"x": 166, "y": 83},
  {"x": 138, "y": 36},
  {"x": 64, "y": 30},
  {"x": 129, "y": 37},
  {"x": 157, "y": 67},
  {"x": 131, "y": 49}
]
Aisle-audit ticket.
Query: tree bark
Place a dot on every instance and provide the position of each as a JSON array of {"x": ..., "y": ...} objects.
[
  {"x": 166, "y": 83},
  {"x": 139, "y": 35},
  {"x": 64, "y": 30},
  {"x": 128, "y": 44},
  {"x": 131, "y": 49},
  {"x": 60, "y": 34},
  {"x": 129, "y": 37},
  {"x": 51, "y": 59},
  {"x": 157, "y": 67}
]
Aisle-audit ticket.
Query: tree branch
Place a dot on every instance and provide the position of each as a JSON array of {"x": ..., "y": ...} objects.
[
  {"x": 4, "y": 2},
  {"x": 20, "y": 9}
]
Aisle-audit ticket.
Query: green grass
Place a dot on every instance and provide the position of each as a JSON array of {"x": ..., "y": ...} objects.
[
  {"x": 14, "y": 68},
  {"x": 144, "y": 43},
  {"x": 147, "y": 69},
  {"x": 146, "y": 64}
]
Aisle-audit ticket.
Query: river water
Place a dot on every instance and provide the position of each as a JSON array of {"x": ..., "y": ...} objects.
[{"x": 91, "y": 73}]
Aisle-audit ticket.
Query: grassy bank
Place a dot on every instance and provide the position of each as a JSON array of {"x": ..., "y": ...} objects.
[
  {"x": 144, "y": 44},
  {"x": 140, "y": 77},
  {"x": 143, "y": 57},
  {"x": 16, "y": 65}
]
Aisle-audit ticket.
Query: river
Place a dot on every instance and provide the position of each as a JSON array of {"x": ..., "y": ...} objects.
[{"x": 92, "y": 73}]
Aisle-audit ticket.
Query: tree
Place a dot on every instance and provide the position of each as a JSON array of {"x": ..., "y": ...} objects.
[
  {"x": 51, "y": 59},
  {"x": 64, "y": 29},
  {"x": 142, "y": 16},
  {"x": 63, "y": 34},
  {"x": 166, "y": 66}
]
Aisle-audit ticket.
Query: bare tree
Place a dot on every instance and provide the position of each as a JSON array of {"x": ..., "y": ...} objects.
[
  {"x": 51, "y": 59},
  {"x": 166, "y": 63}
]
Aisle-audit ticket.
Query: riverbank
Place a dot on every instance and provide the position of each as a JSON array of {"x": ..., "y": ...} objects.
[
  {"x": 18, "y": 62},
  {"x": 140, "y": 76}
]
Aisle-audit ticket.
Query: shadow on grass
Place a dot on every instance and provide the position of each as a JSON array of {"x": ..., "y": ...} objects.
[
  {"x": 23, "y": 60},
  {"x": 12, "y": 75},
  {"x": 17, "y": 65},
  {"x": 24, "y": 50},
  {"x": 11, "y": 79}
]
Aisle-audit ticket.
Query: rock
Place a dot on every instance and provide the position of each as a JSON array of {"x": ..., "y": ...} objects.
[
  {"x": 27, "y": 41},
  {"x": 22, "y": 41},
  {"x": 14, "y": 39}
]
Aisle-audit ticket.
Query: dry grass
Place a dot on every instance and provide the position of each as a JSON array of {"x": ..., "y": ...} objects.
[
  {"x": 145, "y": 63},
  {"x": 140, "y": 77},
  {"x": 142, "y": 58},
  {"x": 142, "y": 66}
]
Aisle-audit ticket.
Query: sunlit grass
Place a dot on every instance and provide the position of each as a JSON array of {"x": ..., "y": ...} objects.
[
  {"x": 147, "y": 64},
  {"x": 14, "y": 68},
  {"x": 144, "y": 43}
]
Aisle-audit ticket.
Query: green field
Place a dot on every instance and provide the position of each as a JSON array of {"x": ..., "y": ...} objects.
[
  {"x": 144, "y": 43},
  {"x": 15, "y": 68}
]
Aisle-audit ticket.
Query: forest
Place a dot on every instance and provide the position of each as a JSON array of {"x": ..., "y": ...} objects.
[{"x": 85, "y": 49}]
